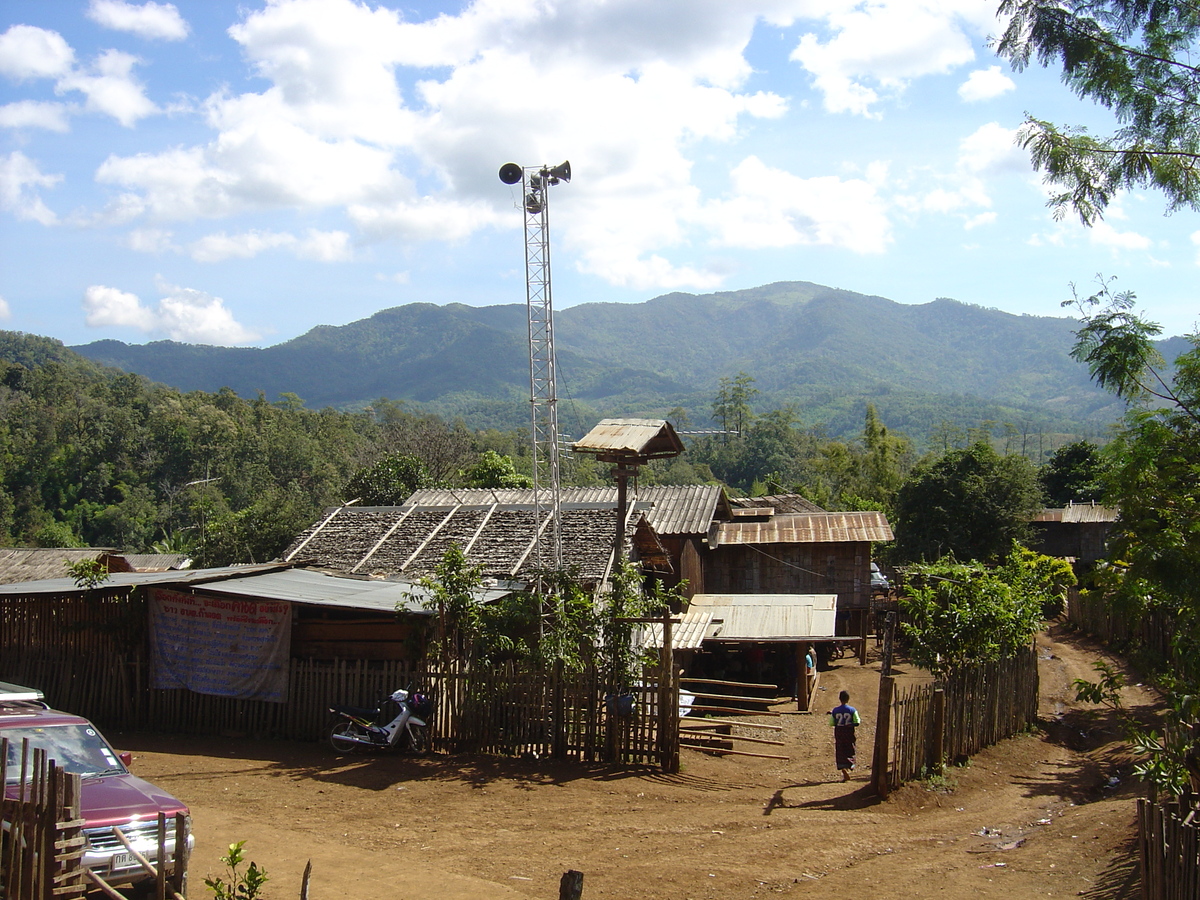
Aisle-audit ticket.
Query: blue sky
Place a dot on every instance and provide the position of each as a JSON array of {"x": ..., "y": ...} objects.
[{"x": 240, "y": 172}]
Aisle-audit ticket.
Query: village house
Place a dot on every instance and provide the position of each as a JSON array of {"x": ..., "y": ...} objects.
[{"x": 1077, "y": 532}]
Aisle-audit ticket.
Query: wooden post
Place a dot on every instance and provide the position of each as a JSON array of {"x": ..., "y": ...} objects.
[
  {"x": 889, "y": 639},
  {"x": 668, "y": 701},
  {"x": 559, "y": 715},
  {"x": 883, "y": 711},
  {"x": 305, "y": 878},
  {"x": 883, "y": 727},
  {"x": 937, "y": 756},
  {"x": 570, "y": 886},
  {"x": 864, "y": 621},
  {"x": 160, "y": 875}
]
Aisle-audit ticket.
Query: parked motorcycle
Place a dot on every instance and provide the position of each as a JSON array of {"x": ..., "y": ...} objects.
[{"x": 400, "y": 722}]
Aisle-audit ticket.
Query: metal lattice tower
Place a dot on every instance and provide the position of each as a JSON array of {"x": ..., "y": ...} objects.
[{"x": 543, "y": 390}]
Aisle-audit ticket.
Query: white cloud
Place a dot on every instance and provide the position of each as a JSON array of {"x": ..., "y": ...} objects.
[
  {"x": 992, "y": 150},
  {"x": 150, "y": 20},
  {"x": 985, "y": 156},
  {"x": 218, "y": 247},
  {"x": 19, "y": 183},
  {"x": 30, "y": 52},
  {"x": 984, "y": 218},
  {"x": 5, "y": 310},
  {"x": 1103, "y": 234},
  {"x": 985, "y": 84},
  {"x": 110, "y": 87},
  {"x": 109, "y": 306},
  {"x": 872, "y": 51},
  {"x": 321, "y": 246},
  {"x": 107, "y": 82},
  {"x": 325, "y": 246},
  {"x": 35, "y": 114},
  {"x": 632, "y": 86},
  {"x": 185, "y": 315},
  {"x": 772, "y": 208},
  {"x": 150, "y": 240}
]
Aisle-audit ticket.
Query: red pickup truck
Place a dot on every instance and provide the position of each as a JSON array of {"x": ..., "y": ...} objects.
[{"x": 110, "y": 794}]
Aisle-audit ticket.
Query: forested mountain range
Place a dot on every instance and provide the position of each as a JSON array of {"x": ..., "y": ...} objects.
[{"x": 824, "y": 350}]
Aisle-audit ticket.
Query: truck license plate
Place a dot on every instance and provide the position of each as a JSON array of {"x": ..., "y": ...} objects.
[{"x": 122, "y": 861}]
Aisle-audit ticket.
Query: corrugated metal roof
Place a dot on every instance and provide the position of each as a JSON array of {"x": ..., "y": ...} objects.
[
  {"x": 1078, "y": 513},
  {"x": 297, "y": 585},
  {"x": 687, "y": 633},
  {"x": 677, "y": 509},
  {"x": 327, "y": 589},
  {"x": 768, "y": 617},
  {"x": 129, "y": 579},
  {"x": 631, "y": 437},
  {"x": 813, "y": 528}
]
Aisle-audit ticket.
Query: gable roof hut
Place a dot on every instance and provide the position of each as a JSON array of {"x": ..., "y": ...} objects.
[{"x": 1078, "y": 531}]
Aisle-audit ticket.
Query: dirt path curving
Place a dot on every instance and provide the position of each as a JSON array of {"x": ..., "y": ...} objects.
[{"x": 1045, "y": 814}]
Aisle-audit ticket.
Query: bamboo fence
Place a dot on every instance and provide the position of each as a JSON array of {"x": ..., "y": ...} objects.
[
  {"x": 89, "y": 654},
  {"x": 1152, "y": 631},
  {"x": 977, "y": 707},
  {"x": 43, "y": 830},
  {"x": 1169, "y": 851}
]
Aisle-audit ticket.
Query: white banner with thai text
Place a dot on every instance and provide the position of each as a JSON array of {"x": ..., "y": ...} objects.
[{"x": 223, "y": 646}]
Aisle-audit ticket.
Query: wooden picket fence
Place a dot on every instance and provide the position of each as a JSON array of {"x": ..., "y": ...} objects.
[
  {"x": 502, "y": 709},
  {"x": 43, "y": 831},
  {"x": 44, "y": 838},
  {"x": 1151, "y": 631},
  {"x": 955, "y": 719},
  {"x": 1169, "y": 850}
]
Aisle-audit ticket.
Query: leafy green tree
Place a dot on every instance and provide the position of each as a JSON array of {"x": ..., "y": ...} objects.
[
  {"x": 732, "y": 404},
  {"x": 492, "y": 470},
  {"x": 971, "y": 504},
  {"x": 1046, "y": 579},
  {"x": 388, "y": 482},
  {"x": 458, "y": 622},
  {"x": 955, "y": 614},
  {"x": 1134, "y": 57},
  {"x": 1073, "y": 474},
  {"x": 1156, "y": 455}
]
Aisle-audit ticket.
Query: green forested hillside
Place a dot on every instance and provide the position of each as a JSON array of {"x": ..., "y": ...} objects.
[
  {"x": 826, "y": 351},
  {"x": 91, "y": 455}
]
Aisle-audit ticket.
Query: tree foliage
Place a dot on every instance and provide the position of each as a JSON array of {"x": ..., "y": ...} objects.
[
  {"x": 956, "y": 614},
  {"x": 970, "y": 504},
  {"x": 389, "y": 481},
  {"x": 1133, "y": 57},
  {"x": 494, "y": 470},
  {"x": 1155, "y": 478},
  {"x": 1073, "y": 474}
]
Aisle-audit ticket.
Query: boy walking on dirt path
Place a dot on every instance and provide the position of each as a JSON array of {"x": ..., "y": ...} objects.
[{"x": 844, "y": 719}]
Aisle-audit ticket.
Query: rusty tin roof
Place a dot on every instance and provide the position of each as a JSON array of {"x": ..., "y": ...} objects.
[{"x": 811, "y": 528}]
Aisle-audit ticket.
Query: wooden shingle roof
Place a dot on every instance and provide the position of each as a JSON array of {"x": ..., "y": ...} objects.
[
  {"x": 39, "y": 563},
  {"x": 411, "y": 540}
]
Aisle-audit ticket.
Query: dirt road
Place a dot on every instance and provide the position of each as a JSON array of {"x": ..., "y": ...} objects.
[{"x": 1048, "y": 814}]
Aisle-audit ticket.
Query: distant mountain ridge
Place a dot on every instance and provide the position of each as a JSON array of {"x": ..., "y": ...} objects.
[{"x": 825, "y": 350}]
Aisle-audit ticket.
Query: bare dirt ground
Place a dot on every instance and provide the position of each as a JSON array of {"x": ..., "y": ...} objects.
[{"x": 1048, "y": 814}]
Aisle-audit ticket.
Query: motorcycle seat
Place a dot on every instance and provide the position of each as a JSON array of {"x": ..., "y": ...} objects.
[{"x": 361, "y": 712}]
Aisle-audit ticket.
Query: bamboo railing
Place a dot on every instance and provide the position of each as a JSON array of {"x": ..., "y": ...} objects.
[{"x": 972, "y": 709}]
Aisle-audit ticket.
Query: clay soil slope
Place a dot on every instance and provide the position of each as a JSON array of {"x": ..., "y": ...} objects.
[{"x": 1048, "y": 814}]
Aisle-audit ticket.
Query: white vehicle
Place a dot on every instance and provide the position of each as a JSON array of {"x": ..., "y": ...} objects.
[{"x": 358, "y": 728}]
